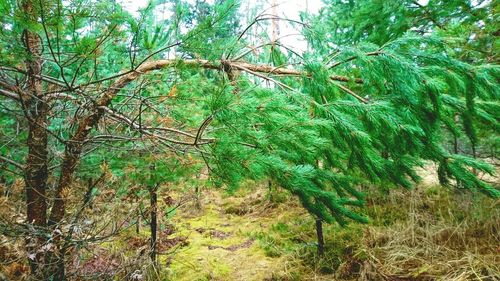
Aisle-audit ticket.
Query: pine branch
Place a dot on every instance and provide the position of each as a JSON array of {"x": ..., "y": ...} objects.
[{"x": 220, "y": 65}]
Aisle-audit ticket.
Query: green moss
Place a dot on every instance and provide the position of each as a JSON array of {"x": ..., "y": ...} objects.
[
  {"x": 285, "y": 238},
  {"x": 204, "y": 259}
]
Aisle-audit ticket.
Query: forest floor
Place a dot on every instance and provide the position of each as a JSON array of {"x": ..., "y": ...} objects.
[
  {"x": 427, "y": 233},
  {"x": 226, "y": 239}
]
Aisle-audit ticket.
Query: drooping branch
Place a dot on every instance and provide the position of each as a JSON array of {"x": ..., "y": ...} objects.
[
  {"x": 74, "y": 145},
  {"x": 127, "y": 76}
]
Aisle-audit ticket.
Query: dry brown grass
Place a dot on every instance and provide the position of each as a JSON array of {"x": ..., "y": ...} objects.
[
  {"x": 428, "y": 233},
  {"x": 444, "y": 237}
]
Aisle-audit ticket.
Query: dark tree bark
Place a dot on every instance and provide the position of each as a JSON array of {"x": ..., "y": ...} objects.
[
  {"x": 270, "y": 190},
  {"x": 36, "y": 171},
  {"x": 319, "y": 234},
  {"x": 198, "y": 197},
  {"x": 153, "y": 194},
  {"x": 72, "y": 154}
]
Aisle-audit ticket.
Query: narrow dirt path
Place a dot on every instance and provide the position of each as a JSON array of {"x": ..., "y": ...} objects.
[{"x": 222, "y": 245}]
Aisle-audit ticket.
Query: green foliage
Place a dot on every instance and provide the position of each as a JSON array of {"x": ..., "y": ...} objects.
[
  {"x": 441, "y": 36},
  {"x": 468, "y": 25},
  {"x": 308, "y": 134}
]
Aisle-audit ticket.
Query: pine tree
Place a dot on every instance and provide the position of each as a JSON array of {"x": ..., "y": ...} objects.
[
  {"x": 470, "y": 32},
  {"x": 84, "y": 76}
]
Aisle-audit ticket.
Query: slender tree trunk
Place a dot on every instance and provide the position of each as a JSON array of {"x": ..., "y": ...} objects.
[
  {"x": 56, "y": 259},
  {"x": 474, "y": 155},
  {"x": 198, "y": 197},
  {"x": 153, "y": 194},
  {"x": 319, "y": 234},
  {"x": 270, "y": 190},
  {"x": 138, "y": 223},
  {"x": 72, "y": 155}
]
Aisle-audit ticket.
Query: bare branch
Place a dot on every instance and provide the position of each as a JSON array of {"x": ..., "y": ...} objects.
[
  {"x": 11, "y": 162},
  {"x": 9, "y": 94}
]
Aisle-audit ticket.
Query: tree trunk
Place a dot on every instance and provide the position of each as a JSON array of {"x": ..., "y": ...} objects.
[
  {"x": 55, "y": 267},
  {"x": 153, "y": 224},
  {"x": 138, "y": 223},
  {"x": 198, "y": 197},
  {"x": 321, "y": 241},
  {"x": 270, "y": 190},
  {"x": 36, "y": 172},
  {"x": 72, "y": 155}
]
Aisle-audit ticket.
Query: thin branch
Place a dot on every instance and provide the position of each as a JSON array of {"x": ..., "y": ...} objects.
[
  {"x": 9, "y": 94},
  {"x": 376, "y": 53},
  {"x": 11, "y": 162},
  {"x": 350, "y": 92}
]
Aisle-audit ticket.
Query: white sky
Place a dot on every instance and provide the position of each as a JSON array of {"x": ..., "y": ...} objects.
[{"x": 289, "y": 9}]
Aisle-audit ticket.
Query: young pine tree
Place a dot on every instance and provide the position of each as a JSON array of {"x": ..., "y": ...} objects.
[{"x": 82, "y": 78}]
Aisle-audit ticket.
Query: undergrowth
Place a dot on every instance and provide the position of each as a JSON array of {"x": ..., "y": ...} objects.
[{"x": 428, "y": 233}]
